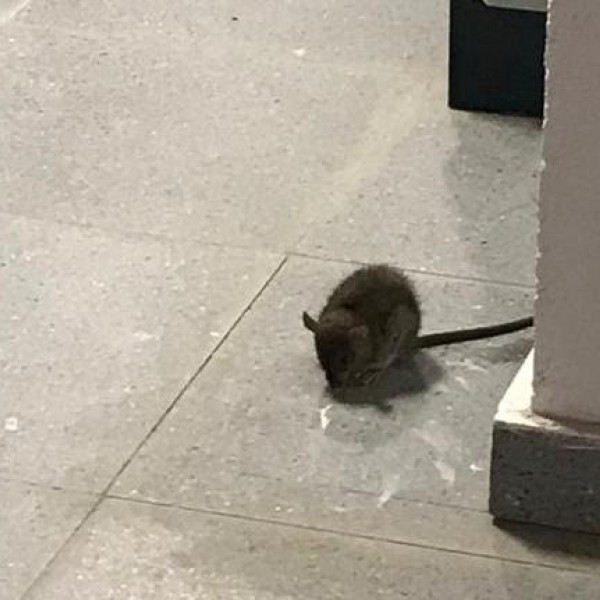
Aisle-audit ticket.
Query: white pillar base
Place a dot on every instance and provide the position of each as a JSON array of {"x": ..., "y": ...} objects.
[{"x": 542, "y": 471}]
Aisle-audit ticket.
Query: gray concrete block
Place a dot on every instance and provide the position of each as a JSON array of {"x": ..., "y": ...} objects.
[{"x": 543, "y": 472}]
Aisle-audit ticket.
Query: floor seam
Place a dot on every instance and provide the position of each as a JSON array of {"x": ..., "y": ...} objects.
[
  {"x": 125, "y": 235},
  {"x": 346, "y": 534},
  {"x": 54, "y": 487},
  {"x": 412, "y": 270},
  {"x": 281, "y": 252},
  {"x": 42, "y": 572},
  {"x": 105, "y": 492},
  {"x": 349, "y": 490},
  {"x": 198, "y": 371}
]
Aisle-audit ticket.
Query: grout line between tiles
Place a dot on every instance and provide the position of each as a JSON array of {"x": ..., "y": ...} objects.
[
  {"x": 125, "y": 235},
  {"x": 53, "y": 558},
  {"x": 201, "y": 368},
  {"x": 104, "y": 493},
  {"x": 349, "y": 490},
  {"x": 48, "y": 486},
  {"x": 346, "y": 534},
  {"x": 441, "y": 275}
]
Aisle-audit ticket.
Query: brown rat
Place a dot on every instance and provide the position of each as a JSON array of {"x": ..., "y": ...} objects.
[{"x": 371, "y": 319}]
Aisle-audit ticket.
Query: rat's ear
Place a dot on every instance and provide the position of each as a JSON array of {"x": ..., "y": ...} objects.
[{"x": 309, "y": 322}]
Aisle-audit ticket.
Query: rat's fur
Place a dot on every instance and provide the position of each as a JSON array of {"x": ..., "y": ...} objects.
[{"x": 371, "y": 319}]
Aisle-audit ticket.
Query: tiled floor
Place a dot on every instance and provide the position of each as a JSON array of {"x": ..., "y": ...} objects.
[{"x": 178, "y": 181}]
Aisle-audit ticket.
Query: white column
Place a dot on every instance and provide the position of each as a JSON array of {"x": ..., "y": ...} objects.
[{"x": 567, "y": 357}]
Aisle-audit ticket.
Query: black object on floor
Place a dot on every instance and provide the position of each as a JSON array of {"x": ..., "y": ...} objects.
[{"x": 496, "y": 59}]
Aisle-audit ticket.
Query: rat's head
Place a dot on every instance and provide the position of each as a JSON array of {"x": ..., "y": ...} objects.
[{"x": 343, "y": 347}]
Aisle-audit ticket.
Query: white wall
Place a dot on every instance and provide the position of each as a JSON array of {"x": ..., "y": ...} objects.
[{"x": 567, "y": 380}]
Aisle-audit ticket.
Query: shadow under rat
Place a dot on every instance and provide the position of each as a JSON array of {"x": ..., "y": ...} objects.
[
  {"x": 403, "y": 379},
  {"x": 417, "y": 374}
]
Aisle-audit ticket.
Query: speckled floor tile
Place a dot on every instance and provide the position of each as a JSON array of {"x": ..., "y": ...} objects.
[
  {"x": 132, "y": 551},
  {"x": 263, "y": 394},
  {"x": 99, "y": 335},
  {"x": 135, "y": 135},
  {"x": 256, "y": 436},
  {"x": 346, "y": 31},
  {"x": 34, "y": 523},
  {"x": 458, "y": 196},
  {"x": 173, "y": 120}
]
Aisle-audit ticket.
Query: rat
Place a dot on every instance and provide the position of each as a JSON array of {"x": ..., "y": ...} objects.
[{"x": 373, "y": 319}]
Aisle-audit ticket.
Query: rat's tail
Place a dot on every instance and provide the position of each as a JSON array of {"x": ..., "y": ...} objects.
[{"x": 467, "y": 335}]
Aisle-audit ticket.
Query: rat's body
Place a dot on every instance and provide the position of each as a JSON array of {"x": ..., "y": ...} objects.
[{"x": 371, "y": 319}]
